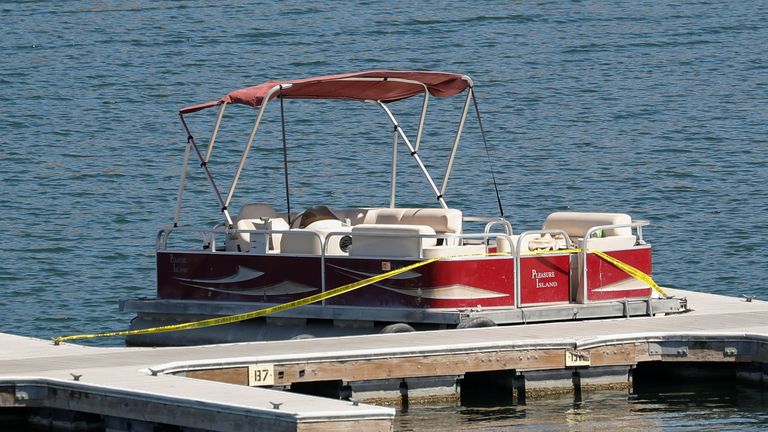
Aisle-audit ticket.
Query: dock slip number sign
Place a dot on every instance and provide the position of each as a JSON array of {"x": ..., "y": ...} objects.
[
  {"x": 261, "y": 374},
  {"x": 577, "y": 358}
]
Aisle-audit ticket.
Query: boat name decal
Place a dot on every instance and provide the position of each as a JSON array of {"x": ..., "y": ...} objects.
[
  {"x": 537, "y": 275},
  {"x": 179, "y": 264}
]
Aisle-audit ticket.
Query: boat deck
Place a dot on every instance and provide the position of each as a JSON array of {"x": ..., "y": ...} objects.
[{"x": 119, "y": 382}]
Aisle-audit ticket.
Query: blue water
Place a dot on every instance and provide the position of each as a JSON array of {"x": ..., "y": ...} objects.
[
  {"x": 656, "y": 109},
  {"x": 689, "y": 408}
]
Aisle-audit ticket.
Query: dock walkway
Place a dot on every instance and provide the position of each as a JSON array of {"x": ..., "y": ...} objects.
[{"x": 153, "y": 385}]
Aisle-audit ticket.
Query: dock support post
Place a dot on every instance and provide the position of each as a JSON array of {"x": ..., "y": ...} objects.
[
  {"x": 519, "y": 390},
  {"x": 576, "y": 380},
  {"x": 404, "y": 395}
]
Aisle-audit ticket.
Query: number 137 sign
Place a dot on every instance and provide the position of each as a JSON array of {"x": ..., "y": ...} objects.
[{"x": 261, "y": 375}]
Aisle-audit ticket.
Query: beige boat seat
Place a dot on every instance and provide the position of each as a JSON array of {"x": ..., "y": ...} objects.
[
  {"x": 356, "y": 216},
  {"x": 310, "y": 240},
  {"x": 241, "y": 242},
  {"x": 576, "y": 225},
  {"x": 256, "y": 211},
  {"x": 259, "y": 217},
  {"x": 442, "y": 221},
  {"x": 440, "y": 251},
  {"x": 390, "y": 240},
  {"x": 503, "y": 243}
]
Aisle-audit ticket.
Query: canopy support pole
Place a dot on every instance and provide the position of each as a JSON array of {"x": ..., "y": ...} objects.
[
  {"x": 248, "y": 145},
  {"x": 393, "y": 186},
  {"x": 182, "y": 183},
  {"x": 422, "y": 118},
  {"x": 209, "y": 153},
  {"x": 204, "y": 165},
  {"x": 414, "y": 153},
  {"x": 456, "y": 141},
  {"x": 285, "y": 157}
]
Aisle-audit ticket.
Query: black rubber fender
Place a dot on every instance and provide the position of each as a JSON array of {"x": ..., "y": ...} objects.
[
  {"x": 476, "y": 322},
  {"x": 397, "y": 328}
]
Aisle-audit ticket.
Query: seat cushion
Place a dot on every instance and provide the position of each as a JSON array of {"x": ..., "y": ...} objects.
[
  {"x": 390, "y": 240},
  {"x": 576, "y": 224}
]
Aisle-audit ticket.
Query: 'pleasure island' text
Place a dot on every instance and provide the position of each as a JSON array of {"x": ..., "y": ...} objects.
[{"x": 543, "y": 279}]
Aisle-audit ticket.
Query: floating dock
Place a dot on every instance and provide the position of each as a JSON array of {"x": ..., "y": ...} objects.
[{"x": 259, "y": 385}]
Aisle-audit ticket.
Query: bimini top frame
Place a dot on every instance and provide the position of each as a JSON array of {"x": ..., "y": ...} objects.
[{"x": 379, "y": 87}]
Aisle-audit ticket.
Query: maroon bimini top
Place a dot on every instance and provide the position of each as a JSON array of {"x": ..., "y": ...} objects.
[{"x": 379, "y": 85}]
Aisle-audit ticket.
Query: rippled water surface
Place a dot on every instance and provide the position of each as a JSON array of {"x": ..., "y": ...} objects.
[
  {"x": 675, "y": 407},
  {"x": 656, "y": 109}
]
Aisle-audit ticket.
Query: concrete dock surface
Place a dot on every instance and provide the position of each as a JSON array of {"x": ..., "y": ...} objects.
[{"x": 153, "y": 385}]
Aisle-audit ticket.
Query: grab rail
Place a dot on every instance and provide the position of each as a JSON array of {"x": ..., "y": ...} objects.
[
  {"x": 519, "y": 246},
  {"x": 637, "y": 224},
  {"x": 209, "y": 241},
  {"x": 208, "y": 235},
  {"x": 491, "y": 222}
]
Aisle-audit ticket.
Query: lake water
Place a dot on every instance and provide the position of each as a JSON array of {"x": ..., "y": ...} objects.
[{"x": 656, "y": 109}]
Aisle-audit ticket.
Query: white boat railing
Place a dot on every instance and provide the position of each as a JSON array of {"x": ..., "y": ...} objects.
[
  {"x": 490, "y": 223},
  {"x": 636, "y": 224},
  {"x": 518, "y": 246},
  {"x": 487, "y": 239}
]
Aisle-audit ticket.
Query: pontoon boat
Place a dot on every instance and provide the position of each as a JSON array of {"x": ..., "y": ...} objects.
[{"x": 266, "y": 253}]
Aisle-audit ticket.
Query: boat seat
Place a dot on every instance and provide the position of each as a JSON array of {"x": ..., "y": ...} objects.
[
  {"x": 303, "y": 241},
  {"x": 503, "y": 246},
  {"x": 452, "y": 251},
  {"x": 256, "y": 211},
  {"x": 255, "y": 216},
  {"x": 357, "y": 216},
  {"x": 576, "y": 224},
  {"x": 390, "y": 240},
  {"x": 241, "y": 242},
  {"x": 444, "y": 221}
]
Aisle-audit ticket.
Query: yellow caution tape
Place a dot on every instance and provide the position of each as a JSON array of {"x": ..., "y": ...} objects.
[
  {"x": 336, "y": 292},
  {"x": 550, "y": 251},
  {"x": 254, "y": 314},
  {"x": 632, "y": 271},
  {"x": 637, "y": 274}
]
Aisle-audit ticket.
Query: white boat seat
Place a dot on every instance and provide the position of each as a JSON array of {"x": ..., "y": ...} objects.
[
  {"x": 241, "y": 242},
  {"x": 444, "y": 221},
  {"x": 452, "y": 251},
  {"x": 576, "y": 224},
  {"x": 301, "y": 241},
  {"x": 390, "y": 240},
  {"x": 357, "y": 216},
  {"x": 503, "y": 246},
  {"x": 608, "y": 243},
  {"x": 255, "y": 216},
  {"x": 256, "y": 211}
]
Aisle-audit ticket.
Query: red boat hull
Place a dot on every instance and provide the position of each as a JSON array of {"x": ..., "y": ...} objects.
[
  {"x": 608, "y": 282},
  {"x": 463, "y": 283}
]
